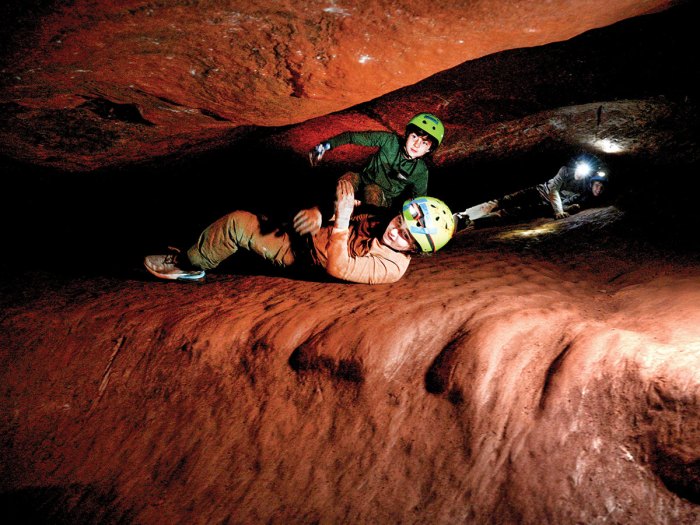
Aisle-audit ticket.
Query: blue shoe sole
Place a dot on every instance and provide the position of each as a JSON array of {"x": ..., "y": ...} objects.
[{"x": 195, "y": 277}]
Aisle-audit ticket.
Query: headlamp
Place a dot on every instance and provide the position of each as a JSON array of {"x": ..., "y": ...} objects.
[{"x": 583, "y": 169}]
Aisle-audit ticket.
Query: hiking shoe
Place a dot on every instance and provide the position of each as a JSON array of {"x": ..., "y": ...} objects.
[{"x": 166, "y": 267}]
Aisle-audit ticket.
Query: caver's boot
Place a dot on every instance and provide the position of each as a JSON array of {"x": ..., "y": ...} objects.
[{"x": 173, "y": 266}]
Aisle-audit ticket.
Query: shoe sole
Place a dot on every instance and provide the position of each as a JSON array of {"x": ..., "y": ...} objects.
[{"x": 172, "y": 277}]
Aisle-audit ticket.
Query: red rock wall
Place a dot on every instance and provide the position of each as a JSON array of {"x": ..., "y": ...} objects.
[{"x": 168, "y": 76}]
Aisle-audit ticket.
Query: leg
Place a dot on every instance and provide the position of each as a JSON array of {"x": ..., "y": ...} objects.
[
  {"x": 353, "y": 178},
  {"x": 522, "y": 204},
  {"x": 371, "y": 193},
  {"x": 240, "y": 229},
  {"x": 522, "y": 199},
  {"x": 478, "y": 211},
  {"x": 374, "y": 195}
]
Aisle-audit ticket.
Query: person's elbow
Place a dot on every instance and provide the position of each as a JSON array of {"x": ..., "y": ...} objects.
[{"x": 335, "y": 270}]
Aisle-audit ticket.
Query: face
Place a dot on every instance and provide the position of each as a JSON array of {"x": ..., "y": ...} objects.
[
  {"x": 417, "y": 146},
  {"x": 397, "y": 237},
  {"x": 596, "y": 188}
]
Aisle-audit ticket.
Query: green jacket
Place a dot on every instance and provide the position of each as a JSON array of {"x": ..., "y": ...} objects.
[{"x": 389, "y": 167}]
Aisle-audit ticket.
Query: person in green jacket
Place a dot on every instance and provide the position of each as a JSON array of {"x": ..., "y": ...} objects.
[{"x": 397, "y": 167}]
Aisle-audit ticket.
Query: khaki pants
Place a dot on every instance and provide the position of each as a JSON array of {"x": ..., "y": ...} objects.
[{"x": 241, "y": 229}]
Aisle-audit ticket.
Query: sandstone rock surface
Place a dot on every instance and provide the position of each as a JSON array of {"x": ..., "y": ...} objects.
[
  {"x": 510, "y": 380},
  {"x": 539, "y": 372},
  {"x": 105, "y": 83}
]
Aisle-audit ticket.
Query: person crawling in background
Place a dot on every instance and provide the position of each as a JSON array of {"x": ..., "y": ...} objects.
[
  {"x": 572, "y": 187},
  {"x": 367, "y": 248},
  {"x": 397, "y": 169}
]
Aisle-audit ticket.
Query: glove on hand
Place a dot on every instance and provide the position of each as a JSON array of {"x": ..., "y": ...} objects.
[
  {"x": 316, "y": 153},
  {"x": 308, "y": 221},
  {"x": 462, "y": 221}
]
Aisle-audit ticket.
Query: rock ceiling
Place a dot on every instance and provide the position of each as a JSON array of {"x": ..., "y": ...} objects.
[{"x": 88, "y": 84}]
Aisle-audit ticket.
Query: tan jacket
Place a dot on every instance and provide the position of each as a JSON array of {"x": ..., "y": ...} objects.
[{"x": 356, "y": 255}]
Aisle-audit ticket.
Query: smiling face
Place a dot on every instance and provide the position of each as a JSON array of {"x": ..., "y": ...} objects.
[
  {"x": 417, "y": 146},
  {"x": 397, "y": 237},
  {"x": 597, "y": 188}
]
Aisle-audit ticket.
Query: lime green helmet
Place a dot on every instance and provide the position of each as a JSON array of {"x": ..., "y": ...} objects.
[
  {"x": 430, "y": 124},
  {"x": 430, "y": 222}
]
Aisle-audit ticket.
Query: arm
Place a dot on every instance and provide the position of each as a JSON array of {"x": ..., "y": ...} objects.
[
  {"x": 553, "y": 187},
  {"x": 420, "y": 187},
  {"x": 308, "y": 221},
  {"x": 360, "y": 138}
]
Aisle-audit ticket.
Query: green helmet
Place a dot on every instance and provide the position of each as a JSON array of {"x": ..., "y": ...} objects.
[
  {"x": 429, "y": 221},
  {"x": 430, "y": 124}
]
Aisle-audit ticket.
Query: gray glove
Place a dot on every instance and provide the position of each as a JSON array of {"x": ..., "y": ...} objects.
[{"x": 317, "y": 152}]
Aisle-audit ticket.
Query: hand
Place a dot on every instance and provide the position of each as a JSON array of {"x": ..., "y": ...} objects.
[
  {"x": 317, "y": 152},
  {"x": 561, "y": 215},
  {"x": 344, "y": 204},
  {"x": 462, "y": 221},
  {"x": 308, "y": 221}
]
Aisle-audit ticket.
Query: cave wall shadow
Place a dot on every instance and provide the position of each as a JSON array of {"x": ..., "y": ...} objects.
[{"x": 107, "y": 220}]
